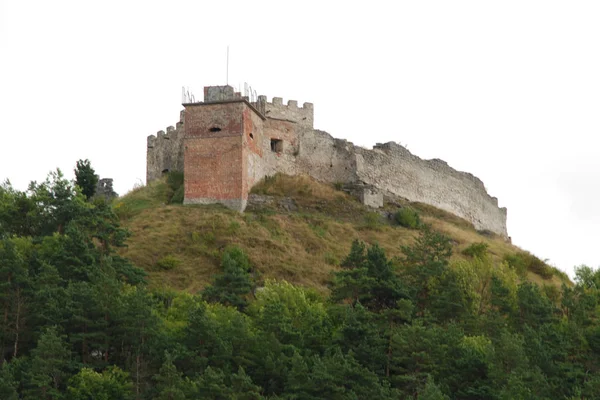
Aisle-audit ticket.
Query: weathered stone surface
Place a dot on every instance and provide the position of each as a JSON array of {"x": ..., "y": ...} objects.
[
  {"x": 225, "y": 145},
  {"x": 165, "y": 151},
  {"x": 104, "y": 189}
]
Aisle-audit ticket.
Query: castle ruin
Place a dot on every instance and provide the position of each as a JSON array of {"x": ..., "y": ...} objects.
[{"x": 228, "y": 143}]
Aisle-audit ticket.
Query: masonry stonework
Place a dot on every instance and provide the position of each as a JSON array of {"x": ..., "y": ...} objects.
[{"x": 226, "y": 144}]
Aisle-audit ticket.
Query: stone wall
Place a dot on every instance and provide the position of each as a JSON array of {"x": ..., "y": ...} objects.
[
  {"x": 303, "y": 116},
  {"x": 230, "y": 146},
  {"x": 165, "y": 151},
  {"x": 392, "y": 168}
]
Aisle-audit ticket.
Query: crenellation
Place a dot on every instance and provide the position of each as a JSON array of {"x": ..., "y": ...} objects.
[{"x": 250, "y": 142}]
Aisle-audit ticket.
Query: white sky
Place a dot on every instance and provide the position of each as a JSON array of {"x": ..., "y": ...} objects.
[{"x": 506, "y": 90}]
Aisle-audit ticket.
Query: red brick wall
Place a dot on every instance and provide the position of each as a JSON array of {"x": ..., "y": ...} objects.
[{"x": 213, "y": 160}]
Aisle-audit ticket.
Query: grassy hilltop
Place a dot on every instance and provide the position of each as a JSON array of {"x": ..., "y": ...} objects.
[{"x": 300, "y": 234}]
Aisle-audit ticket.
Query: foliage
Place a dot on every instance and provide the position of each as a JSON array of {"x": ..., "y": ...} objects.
[
  {"x": 372, "y": 220},
  {"x": 78, "y": 322},
  {"x": 408, "y": 217},
  {"x": 111, "y": 384},
  {"x": 234, "y": 284},
  {"x": 86, "y": 178},
  {"x": 168, "y": 262},
  {"x": 523, "y": 262},
  {"x": 175, "y": 183},
  {"x": 477, "y": 250}
]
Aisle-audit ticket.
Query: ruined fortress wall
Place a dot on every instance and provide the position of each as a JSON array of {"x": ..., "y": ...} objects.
[
  {"x": 165, "y": 151},
  {"x": 326, "y": 158},
  {"x": 223, "y": 166},
  {"x": 392, "y": 168}
]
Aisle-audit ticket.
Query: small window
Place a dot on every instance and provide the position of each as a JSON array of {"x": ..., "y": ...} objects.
[
  {"x": 276, "y": 145},
  {"x": 215, "y": 129},
  {"x": 251, "y": 136}
]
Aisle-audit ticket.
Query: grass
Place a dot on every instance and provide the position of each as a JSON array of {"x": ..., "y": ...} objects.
[{"x": 302, "y": 247}]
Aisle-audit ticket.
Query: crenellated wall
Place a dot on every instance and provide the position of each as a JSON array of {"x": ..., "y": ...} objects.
[
  {"x": 263, "y": 138},
  {"x": 164, "y": 152}
]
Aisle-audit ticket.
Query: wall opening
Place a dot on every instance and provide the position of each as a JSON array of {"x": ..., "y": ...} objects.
[
  {"x": 215, "y": 129},
  {"x": 251, "y": 136},
  {"x": 276, "y": 145},
  {"x": 165, "y": 171}
]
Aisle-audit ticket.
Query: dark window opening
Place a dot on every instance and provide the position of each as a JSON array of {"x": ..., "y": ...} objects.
[
  {"x": 215, "y": 129},
  {"x": 251, "y": 136},
  {"x": 276, "y": 145},
  {"x": 165, "y": 171}
]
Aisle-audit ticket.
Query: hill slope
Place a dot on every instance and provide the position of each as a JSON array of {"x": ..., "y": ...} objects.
[{"x": 295, "y": 229}]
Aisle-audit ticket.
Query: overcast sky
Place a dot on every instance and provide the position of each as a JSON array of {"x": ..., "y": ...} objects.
[{"x": 506, "y": 90}]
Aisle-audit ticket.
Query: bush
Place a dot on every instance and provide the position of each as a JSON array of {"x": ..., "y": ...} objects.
[
  {"x": 175, "y": 180},
  {"x": 476, "y": 250},
  {"x": 523, "y": 262},
  {"x": 408, "y": 218},
  {"x": 331, "y": 259},
  {"x": 372, "y": 220},
  {"x": 177, "y": 196},
  {"x": 168, "y": 262},
  {"x": 175, "y": 183}
]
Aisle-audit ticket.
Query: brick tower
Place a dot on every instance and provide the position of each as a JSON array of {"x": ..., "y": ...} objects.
[{"x": 221, "y": 135}]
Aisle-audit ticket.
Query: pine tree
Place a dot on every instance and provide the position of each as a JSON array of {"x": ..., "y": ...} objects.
[
  {"x": 86, "y": 178},
  {"x": 234, "y": 284},
  {"x": 48, "y": 365}
]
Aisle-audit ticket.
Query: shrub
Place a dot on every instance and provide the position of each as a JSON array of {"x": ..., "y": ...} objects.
[
  {"x": 331, "y": 259},
  {"x": 408, "y": 218},
  {"x": 372, "y": 220},
  {"x": 175, "y": 183},
  {"x": 175, "y": 180},
  {"x": 523, "y": 262},
  {"x": 168, "y": 262},
  {"x": 177, "y": 196},
  {"x": 476, "y": 250}
]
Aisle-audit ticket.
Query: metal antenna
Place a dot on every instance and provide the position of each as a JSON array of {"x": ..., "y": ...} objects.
[{"x": 227, "y": 78}]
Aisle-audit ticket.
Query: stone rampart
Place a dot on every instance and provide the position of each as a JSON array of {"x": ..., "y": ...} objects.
[
  {"x": 272, "y": 137},
  {"x": 393, "y": 169},
  {"x": 165, "y": 151}
]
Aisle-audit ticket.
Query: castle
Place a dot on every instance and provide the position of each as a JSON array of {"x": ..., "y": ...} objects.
[{"x": 229, "y": 142}]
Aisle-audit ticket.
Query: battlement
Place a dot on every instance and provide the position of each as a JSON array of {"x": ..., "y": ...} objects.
[
  {"x": 276, "y": 109},
  {"x": 164, "y": 151}
]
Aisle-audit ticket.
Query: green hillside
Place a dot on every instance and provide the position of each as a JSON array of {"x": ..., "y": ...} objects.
[
  {"x": 307, "y": 295},
  {"x": 300, "y": 237}
]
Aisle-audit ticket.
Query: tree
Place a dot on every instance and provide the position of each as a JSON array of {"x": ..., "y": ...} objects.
[
  {"x": 169, "y": 383},
  {"x": 86, "y": 178},
  {"x": 111, "y": 384},
  {"x": 47, "y": 370},
  {"x": 8, "y": 385},
  {"x": 425, "y": 262},
  {"x": 234, "y": 284}
]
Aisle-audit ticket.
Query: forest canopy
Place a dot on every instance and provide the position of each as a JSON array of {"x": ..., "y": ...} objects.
[{"x": 79, "y": 321}]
